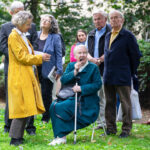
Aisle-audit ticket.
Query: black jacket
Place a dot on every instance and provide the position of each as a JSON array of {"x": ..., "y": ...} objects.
[
  {"x": 4, "y": 34},
  {"x": 91, "y": 45}
]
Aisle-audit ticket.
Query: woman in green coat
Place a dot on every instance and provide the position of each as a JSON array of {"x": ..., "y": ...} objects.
[{"x": 62, "y": 112}]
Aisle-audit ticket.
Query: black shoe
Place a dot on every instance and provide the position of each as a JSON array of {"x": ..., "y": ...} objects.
[
  {"x": 109, "y": 132},
  {"x": 123, "y": 135},
  {"x": 16, "y": 142},
  {"x": 6, "y": 130},
  {"x": 31, "y": 132},
  {"x": 22, "y": 139}
]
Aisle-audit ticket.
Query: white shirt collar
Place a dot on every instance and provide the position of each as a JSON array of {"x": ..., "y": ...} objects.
[
  {"x": 19, "y": 32},
  {"x": 84, "y": 66}
]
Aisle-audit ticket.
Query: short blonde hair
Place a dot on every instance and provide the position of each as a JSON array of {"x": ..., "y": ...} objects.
[{"x": 21, "y": 18}]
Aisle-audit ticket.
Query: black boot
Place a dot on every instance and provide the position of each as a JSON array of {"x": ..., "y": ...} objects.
[{"x": 16, "y": 142}]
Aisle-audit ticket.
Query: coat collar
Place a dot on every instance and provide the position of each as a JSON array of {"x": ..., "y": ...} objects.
[
  {"x": 85, "y": 68},
  {"x": 23, "y": 41},
  {"x": 92, "y": 33}
]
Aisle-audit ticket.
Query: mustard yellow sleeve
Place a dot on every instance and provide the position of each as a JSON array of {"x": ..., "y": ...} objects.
[{"x": 21, "y": 53}]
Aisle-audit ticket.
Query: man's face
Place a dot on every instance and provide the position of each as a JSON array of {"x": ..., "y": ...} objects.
[
  {"x": 25, "y": 27},
  {"x": 116, "y": 20},
  {"x": 99, "y": 21}
]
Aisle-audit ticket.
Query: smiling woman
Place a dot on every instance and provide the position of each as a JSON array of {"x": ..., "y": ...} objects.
[{"x": 24, "y": 97}]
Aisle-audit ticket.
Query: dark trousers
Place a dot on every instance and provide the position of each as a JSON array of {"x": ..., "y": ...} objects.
[
  {"x": 17, "y": 128},
  {"x": 46, "y": 86},
  {"x": 30, "y": 121},
  {"x": 110, "y": 110}
]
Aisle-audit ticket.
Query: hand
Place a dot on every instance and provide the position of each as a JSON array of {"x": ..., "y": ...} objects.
[
  {"x": 57, "y": 76},
  {"x": 98, "y": 62},
  {"x": 102, "y": 58},
  {"x": 76, "y": 88},
  {"x": 95, "y": 61},
  {"x": 77, "y": 66},
  {"x": 46, "y": 57}
]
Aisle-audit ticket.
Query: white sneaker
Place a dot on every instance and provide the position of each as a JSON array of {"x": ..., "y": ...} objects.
[{"x": 58, "y": 141}]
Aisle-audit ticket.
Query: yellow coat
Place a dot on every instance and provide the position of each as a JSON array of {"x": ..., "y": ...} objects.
[{"x": 24, "y": 95}]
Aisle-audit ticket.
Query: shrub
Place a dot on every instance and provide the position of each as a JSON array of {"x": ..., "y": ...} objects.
[{"x": 144, "y": 69}]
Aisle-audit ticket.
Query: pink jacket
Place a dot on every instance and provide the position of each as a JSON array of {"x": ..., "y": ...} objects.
[{"x": 72, "y": 59}]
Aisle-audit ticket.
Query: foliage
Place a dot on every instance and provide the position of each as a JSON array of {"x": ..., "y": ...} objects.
[
  {"x": 139, "y": 140},
  {"x": 4, "y": 15},
  {"x": 70, "y": 21},
  {"x": 136, "y": 12},
  {"x": 1, "y": 78},
  {"x": 144, "y": 69}
]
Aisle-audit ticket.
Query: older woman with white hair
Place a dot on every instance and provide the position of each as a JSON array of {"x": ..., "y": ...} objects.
[
  {"x": 62, "y": 112},
  {"x": 24, "y": 97},
  {"x": 49, "y": 41}
]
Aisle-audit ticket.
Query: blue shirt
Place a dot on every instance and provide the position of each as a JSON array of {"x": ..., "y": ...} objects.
[{"x": 98, "y": 35}]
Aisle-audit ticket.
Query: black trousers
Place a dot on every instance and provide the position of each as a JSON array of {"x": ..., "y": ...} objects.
[
  {"x": 46, "y": 87},
  {"x": 30, "y": 121}
]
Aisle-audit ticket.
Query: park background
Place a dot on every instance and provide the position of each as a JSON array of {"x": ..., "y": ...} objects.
[{"x": 71, "y": 16}]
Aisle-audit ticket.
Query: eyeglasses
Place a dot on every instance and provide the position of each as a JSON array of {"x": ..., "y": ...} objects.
[
  {"x": 45, "y": 20},
  {"x": 115, "y": 17}
]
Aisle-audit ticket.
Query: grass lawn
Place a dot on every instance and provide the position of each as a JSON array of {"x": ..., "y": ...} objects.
[{"x": 139, "y": 139}]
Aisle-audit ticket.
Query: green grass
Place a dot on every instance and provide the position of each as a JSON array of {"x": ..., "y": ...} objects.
[{"x": 139, "y": 139}]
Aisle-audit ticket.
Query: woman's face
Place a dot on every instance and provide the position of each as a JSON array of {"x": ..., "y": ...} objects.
[
  {"x": 45, "y": 22},
  {"x": 81, "y": 36},
  {"x": 25, "y": 27},
  {"x": 81, "y": 55}
]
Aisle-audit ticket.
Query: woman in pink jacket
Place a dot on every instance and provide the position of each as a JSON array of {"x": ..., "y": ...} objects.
[{"x": 80, "y": 40}]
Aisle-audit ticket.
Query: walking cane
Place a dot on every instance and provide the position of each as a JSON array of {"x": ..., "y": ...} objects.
[{"x": 75, "y": 118}]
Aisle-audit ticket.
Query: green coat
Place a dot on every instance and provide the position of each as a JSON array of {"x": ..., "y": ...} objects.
[{"x": 90, "y": 82}]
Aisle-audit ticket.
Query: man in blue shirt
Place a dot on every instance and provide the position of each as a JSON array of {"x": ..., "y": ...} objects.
[{"x": 95, "y": 45}]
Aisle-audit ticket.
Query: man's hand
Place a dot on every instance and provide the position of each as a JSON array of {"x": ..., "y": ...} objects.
[
  {"x": 76, "y": 88},
  {"x": 46, "y": 57},
  {"x": 102, "y": 58}
]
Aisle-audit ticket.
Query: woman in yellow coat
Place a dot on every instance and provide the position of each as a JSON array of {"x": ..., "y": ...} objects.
[{"x": 24, "y": 96}]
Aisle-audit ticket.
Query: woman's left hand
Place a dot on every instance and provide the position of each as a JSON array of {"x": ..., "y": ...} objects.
[
  {"x": 76, "y": 88},
  {"x": 57, "y": 76}
]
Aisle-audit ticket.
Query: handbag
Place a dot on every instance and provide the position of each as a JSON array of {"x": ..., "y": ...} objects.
[
  {"x": 65, "y": 92},
  {"x": 136, "y": 109}
]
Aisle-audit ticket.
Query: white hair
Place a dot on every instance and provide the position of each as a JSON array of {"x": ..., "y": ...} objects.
[
  {"x": 16, "y": 5},
  {"x": 103, "y": 13},
  {"x": 21, "y": 17},
  {"x": 117, "y": 11},
  {"x": 79, "y": 47}
]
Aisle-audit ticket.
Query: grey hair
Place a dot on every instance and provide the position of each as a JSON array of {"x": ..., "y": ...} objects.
[
  {"x": 79, "y": 47},
  {"x": 117, "y": 11},
  {"x": 103, "y": 13},
  {"x": 21, "y": 17},
  {"x": 54, "y": 28},
  {"x": 15, "y": 5}
]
